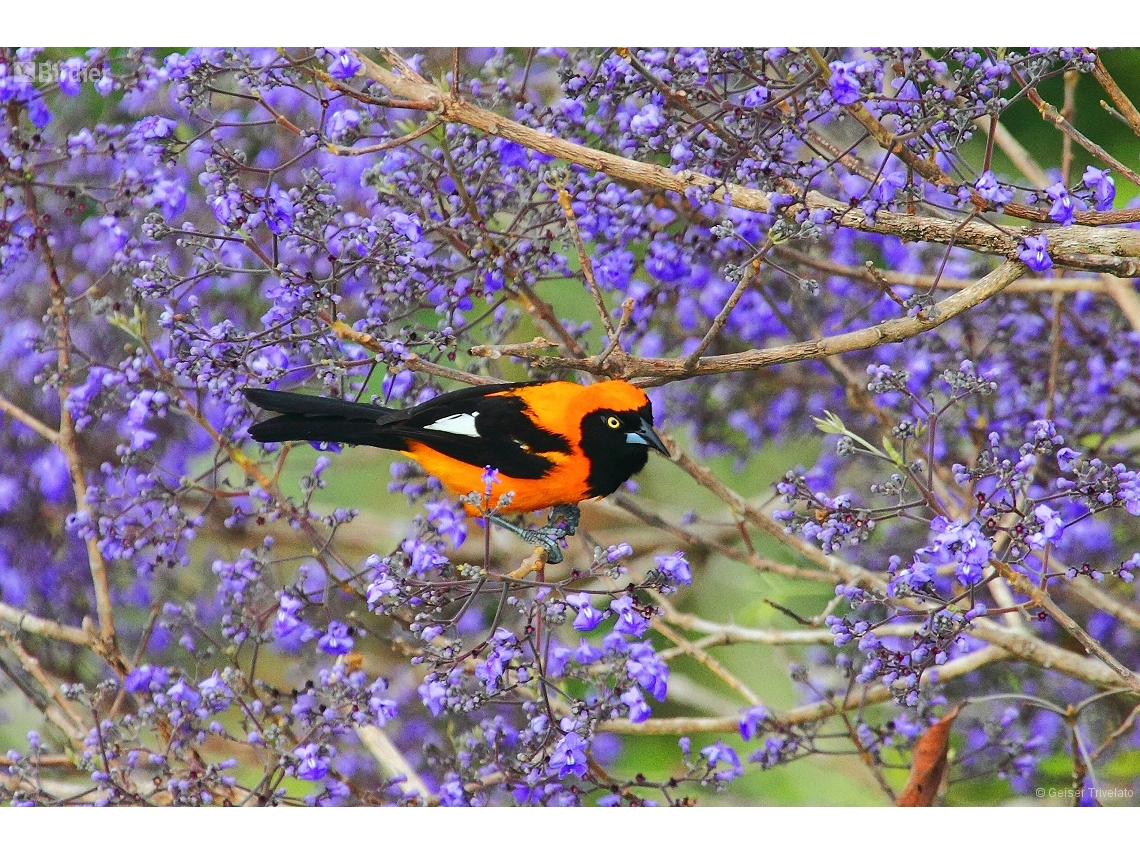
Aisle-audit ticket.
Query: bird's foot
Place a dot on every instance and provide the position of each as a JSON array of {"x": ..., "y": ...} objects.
[
  {"x": 548, "y": 538},
  {"x": 567, "y": 515}
]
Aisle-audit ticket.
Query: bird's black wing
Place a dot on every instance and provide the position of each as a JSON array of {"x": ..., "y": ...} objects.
[{"x": 483, "y": 428}]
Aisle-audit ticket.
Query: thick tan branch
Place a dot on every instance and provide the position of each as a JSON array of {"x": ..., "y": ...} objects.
[
  {"x": 894, "y": 330},
  {"x": 1107, "y": 250},
  {"x": 26, "y": 622},
  {"x": 818, "y": 711}
]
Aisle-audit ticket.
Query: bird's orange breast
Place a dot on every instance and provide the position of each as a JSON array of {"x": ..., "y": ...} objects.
[{"x": 564, "y": 484}]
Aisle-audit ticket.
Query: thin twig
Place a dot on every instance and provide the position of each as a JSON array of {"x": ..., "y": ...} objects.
[
  {"x": 1127, "y": 110},
  {"x": 28, "y": 419},
  {"x": 584, "y": 262},
  {"x": 63, "y": 714},
  {"x": 391, "y": 761},
  {"x": 747, "y": 275},
  {"x": 615, "y": 339},
  {"x": 498, "y": 351},
  {"x": 1041, "y": 599},
  {"x": 699, "y": 655},
  {"x": 1053, "y": 116},
  {"x": 349, "y": 151}
]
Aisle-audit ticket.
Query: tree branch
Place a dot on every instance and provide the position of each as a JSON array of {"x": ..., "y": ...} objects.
[
  {"x": 818, "y": 711},
  {"x": 653, "y": 372}
]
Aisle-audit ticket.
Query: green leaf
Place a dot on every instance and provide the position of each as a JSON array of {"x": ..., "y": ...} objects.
[
  {"x": 132, "y": 326},
  {"x": 892, "y": 452},
  {"x": 831, "y": 423}
]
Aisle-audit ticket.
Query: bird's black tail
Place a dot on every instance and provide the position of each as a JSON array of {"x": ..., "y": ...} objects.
[{"x": 316, "y": 419}]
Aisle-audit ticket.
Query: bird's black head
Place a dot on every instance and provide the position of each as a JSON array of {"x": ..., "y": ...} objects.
[{"x": 617, "y": 444}]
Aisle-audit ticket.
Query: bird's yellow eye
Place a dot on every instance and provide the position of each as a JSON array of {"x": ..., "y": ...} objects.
[{"x": 613, "y": 422}]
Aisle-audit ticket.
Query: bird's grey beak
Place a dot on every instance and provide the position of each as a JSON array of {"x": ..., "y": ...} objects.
[{"x": 645, "y": 435}]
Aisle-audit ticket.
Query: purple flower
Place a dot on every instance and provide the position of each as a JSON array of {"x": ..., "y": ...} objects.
[
  {"x": 69, "y": 76},
  {"x": 648, "y": 120},
  {"x": 343, "y": 65},
  {"x": 278, "y": 211},
  {"x": 311, "y": 766},
  {"x": 397, "y": 385},
  {"x": 434, "y": 696},
  {"x": 650, "y": 672},
  {"x": 639, "y": 710},
  {"x": 1065, "y": 205},
  {"x": 557, "y": 660},
  {"x": 341, "y": 123},
  {"x": 888, "y": 186},
  {"x": 989, "y": 189},
  {"x": 407, "y": 225},
  {"x": 1052, "y": 527},
  {"x": 674, "y": 568},
  {"x": 448, "y": 521},
  {"x": 1102, "y": 185},
  {"x": 287, "y": 621},
  {"x": 155, "y": 127},
  {"x": 226, "y": 207},
  {"x": 966, "y": 543},
  {"x": 843, "y": 83},
  {"x": 452, "y": 793},
  {"x": 337, "y": 640},
  {"x": 1034, "y": 253},
  {"x": 666, "y": 261},
  {"x": 423, "y": 557},
  {"x": 615, "y": 268},
  {"x": 490, "y": 478},
  {"x": 568, "y": 756},
  {"x": 717, "y": 754},
  {"x": 10, "y": 492},
  {"x": 380, "y": 587},
  {"x": 629, "y": 619},
  {"x": 586, "y": 653},
  {"x": 1066, "y": 457},
  {"x": 146, "y": 678},
  {"x": 614, "y": 554},
  {"x": 491, "y": 669},
  {"x": 756, "y": 97},
  {"x": 588, "y": 617},
  {"x": 181, "y": 693},
  {"x": 750, "y": 721},
  {"x": 38, "y": 112}
]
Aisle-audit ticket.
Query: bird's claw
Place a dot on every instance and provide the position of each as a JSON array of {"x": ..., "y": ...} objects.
[
  {"x": 563, "y": 523},
  {"x": 567, "y": 515},
  {"x": 547, "y": 537}
]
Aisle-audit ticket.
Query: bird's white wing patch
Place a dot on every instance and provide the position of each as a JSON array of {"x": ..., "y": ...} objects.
[{"x": 460, "y": 423}]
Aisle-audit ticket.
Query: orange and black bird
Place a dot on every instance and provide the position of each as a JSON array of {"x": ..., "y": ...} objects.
[{"x": 554, "y": 444}]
